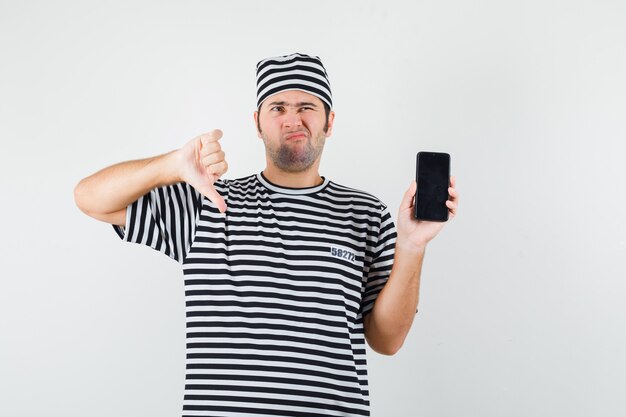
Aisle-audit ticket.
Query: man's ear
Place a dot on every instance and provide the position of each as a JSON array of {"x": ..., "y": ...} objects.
[
  {"x": 256, "y": 123},
  {"x": 331, "y": 120}
]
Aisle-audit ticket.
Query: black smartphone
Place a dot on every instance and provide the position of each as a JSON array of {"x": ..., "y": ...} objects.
[{"x": 432, "y": 173}]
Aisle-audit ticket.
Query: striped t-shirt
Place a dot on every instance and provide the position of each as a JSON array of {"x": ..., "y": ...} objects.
[{"x": 276, "y": 289}]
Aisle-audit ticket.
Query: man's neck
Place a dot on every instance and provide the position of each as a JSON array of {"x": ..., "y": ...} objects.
[{"x": 309, "y": 178}]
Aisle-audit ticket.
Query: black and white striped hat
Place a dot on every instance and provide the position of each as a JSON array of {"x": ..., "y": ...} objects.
[{"x": 292, "y": 72}]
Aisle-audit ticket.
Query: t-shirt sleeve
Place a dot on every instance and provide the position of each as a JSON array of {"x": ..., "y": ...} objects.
[
  {"x": 164, "y": 219},
  {"x": 382, "y": 256}
]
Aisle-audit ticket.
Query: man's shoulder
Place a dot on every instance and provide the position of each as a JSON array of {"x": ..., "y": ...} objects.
[
  {"x": 244, "y": 181},
  {"x": 356, "y": 194}
]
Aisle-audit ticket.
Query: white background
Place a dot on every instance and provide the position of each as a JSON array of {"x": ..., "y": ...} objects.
[{"x": 522, "y": 309}]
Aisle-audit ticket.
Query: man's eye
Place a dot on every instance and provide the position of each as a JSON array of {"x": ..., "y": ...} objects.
[
  {"x": 276, "y": 107},
  {"x": 306, "y": 108}
]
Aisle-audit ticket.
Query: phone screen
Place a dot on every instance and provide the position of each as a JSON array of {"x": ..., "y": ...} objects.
[{"x": 433, "y": 180}]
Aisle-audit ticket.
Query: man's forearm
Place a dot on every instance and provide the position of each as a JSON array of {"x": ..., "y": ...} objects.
[
  {"x": 115, "y": 187},
  {"x": 390, "y": 320}
]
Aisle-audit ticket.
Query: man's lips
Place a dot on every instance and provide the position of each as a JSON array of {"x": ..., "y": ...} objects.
[{"x": 295, "y": 135}]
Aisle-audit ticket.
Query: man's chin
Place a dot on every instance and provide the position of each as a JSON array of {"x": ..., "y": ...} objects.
[{"x": 294, "y": 167}]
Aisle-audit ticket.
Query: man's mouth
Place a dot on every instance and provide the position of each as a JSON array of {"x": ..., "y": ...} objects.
[{"x": 295, "y": 135}]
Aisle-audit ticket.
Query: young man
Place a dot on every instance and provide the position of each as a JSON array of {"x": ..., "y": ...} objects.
[{"x": 282, "y": 267}]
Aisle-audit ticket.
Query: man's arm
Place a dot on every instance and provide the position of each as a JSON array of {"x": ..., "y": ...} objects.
[
  {"x": 106, "y": 194},
  {"x": 389, "y": 322}
]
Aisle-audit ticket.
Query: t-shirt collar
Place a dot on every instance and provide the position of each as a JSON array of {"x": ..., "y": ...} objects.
[{"x": 289, "y": 190}]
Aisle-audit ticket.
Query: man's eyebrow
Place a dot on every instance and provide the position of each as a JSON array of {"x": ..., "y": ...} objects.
[{"x": 301, "y": 104}]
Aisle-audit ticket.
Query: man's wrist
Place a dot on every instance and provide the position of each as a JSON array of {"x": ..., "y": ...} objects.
[
  {"x": 168, "y": 168},
  {"x": 410, "y": 247}
]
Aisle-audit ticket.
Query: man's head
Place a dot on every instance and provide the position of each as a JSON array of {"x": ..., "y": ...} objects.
[{"x": 293, "y": 96}]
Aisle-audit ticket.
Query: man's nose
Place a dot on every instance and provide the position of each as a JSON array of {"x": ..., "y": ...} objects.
[{"x": 292, "y": 119}]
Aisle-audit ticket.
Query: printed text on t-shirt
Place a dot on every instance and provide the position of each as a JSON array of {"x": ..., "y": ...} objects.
[{"x": 342, "y": 253}]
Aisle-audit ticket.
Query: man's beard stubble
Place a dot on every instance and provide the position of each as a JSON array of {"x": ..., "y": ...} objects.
[{"x": 294, "y": 157}]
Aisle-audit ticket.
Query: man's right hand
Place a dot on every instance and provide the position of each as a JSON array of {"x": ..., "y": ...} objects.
[{"x": 202, "y": 163}]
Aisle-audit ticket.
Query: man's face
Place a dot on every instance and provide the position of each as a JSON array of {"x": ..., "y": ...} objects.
[{"x": 292, "y": 128}]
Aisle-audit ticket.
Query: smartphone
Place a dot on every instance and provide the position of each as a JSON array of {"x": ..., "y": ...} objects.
[{"x": 432, "y": 173}]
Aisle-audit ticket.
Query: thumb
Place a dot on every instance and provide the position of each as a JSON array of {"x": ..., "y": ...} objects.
[
  {"x": 215, "y": 197},
  {"x": 407, "y": 199}
]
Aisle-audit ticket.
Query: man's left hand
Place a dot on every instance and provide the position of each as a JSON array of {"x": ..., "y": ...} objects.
[{"x": 414, "y": 234}]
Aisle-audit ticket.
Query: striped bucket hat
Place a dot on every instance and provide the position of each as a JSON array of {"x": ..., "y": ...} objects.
[{"x": 292, "y": 72}]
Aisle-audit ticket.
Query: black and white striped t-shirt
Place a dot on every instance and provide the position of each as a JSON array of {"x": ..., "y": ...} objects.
[{"x": 276, "y": 289}]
